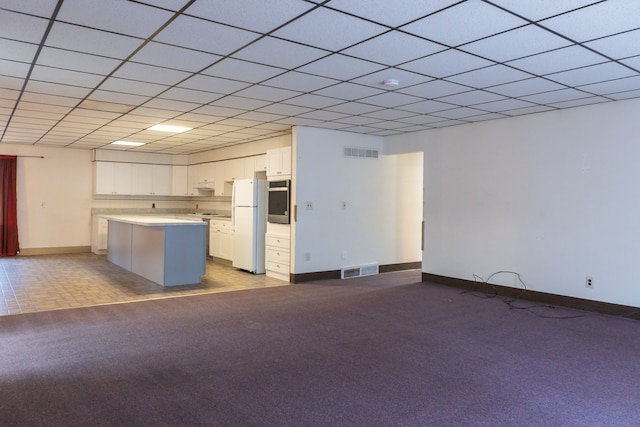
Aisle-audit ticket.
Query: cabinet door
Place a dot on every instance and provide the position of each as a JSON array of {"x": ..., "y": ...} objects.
[
  {"x": 226, "y": 245},
  {"x": 279, "y": 162},
  {"x": 233, "y": 169},
  {"x": 141, "y": 179},
  {"x": 162, "y": 180},
  {"x": 286, "y": 161},
  {"x": 179, "y": 181},
  {"x": 122, "y": 178},
  {"x": 104, "y": 177},
  {"x": 193, "y": 177},
  {"x": 260, "y": 163}
]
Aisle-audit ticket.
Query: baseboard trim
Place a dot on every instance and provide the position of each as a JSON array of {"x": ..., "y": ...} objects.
[
  {"x": 625, "y": 311},
  {"x": 55, "y": 251},
  {"x": 335, "y": 274}
]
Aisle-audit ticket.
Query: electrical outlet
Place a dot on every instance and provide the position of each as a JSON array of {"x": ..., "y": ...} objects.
[
  {"x": 308, "y": 205},
  {"x": 588, "y": 282},
  {"x": 307, "y": 256},
  {"x": 344, "y": 206}
]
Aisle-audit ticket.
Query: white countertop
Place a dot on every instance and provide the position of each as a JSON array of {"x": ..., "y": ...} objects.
[{"x": 154, "y": 220}]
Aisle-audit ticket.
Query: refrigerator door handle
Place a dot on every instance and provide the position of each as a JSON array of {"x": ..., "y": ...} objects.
[{"x": 233, "y": 207}]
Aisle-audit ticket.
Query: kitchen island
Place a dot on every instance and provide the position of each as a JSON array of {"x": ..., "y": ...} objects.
[{"x": 168, "y": 251}]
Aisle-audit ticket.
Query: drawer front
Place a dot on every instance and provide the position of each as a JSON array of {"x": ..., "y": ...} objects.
[
  {"x": 277, "y": 241},
  {"x": 277, "y": 255},
  {"x": 280, "y": 267},
  {"x": 220, "y": 225}
]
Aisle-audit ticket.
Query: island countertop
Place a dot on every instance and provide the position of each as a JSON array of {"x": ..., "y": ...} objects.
[{"x": 154, "y": 220}]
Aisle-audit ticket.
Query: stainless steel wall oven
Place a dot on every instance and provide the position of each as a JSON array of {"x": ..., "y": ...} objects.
[{"x": 279, "y": 199}]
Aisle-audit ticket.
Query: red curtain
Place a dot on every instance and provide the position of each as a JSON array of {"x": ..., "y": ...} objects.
[{"x": 8, "y": 207}]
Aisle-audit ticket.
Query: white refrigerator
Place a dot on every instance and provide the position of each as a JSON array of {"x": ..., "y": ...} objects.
[{"x": 249, "y": 218}]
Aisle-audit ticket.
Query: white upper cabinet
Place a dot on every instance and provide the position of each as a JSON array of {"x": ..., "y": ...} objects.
[
  {"x": 279, "y": 162},
  {"x": 151, "y": 180},
  {"x": 112, "y": 178},
  {"x": 260, "y": 163},
  {"x": 179, "y": 181},
  {"x": 234, "y": 169}
]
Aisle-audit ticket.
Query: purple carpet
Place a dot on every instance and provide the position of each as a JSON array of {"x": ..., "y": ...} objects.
[{"x": 385, "y": 350}]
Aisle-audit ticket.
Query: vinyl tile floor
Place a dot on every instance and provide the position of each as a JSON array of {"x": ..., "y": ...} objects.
[{"x": 54, "y": 282}]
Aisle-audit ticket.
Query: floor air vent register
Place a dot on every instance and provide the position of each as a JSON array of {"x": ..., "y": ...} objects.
[{"x": 364, "y": 270}]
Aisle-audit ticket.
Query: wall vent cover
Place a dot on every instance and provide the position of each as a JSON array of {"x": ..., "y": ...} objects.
[
  {"x": 364, "y": 270},
  {"x": 362, "y": 153}
]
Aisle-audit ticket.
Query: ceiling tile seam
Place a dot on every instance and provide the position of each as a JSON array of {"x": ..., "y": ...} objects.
[
  {"x": 124, "y": 61},
  {"x": 569, "y": 39},
  {"x": 32, "y": 67},
  {"x": 211, "y": 65}
]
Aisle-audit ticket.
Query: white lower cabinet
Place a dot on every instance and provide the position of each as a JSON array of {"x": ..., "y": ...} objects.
[
  {"x": 221, "y": 239},
  {"x": 277, "y": 253}
]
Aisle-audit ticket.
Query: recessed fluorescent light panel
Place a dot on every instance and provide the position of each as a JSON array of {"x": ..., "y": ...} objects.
[
  {"x": 167, "y": 128},
  {"x": 128, "y": 143}
]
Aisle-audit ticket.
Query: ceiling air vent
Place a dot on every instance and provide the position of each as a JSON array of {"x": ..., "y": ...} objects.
[{"x": 363, "y": 153}]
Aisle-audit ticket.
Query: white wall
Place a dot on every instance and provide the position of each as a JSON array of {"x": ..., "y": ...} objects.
[
  {"x": 54, "y": 196},
  {"x": 381, "y": 223},
  {"x": 553, "y": 196}
]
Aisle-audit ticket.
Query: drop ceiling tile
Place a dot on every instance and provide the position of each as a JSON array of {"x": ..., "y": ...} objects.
[
  {"x": 11, "y": 83},
  {"x": 232, "y": 101},
  {"x": 17, "y": 26},
  {"x": 385, "y": 13},
  {"x": 468, "y": 27},
  {"x": 212, "y": 84},
  {"x": 328, "y": 29},
  {"x": 41, "y": 8},
  {"x": 435, "y": 89},
  {"x": 341, "y": 67},
  {"x": 151, "y": 74},
  {"x": 490, "y": 76},
  {"x": 206, "y": 36},
  {"x": 459, "y": 113},
  {"x": 66, "y": 77},
  {"x": 215, "y": 110},
  {"x": 118, "y": 17},
  {"x": 9, "y": 94},
  {"x": 447, "y": 63},
  {"x": 362, "y": 129},
  {"x": 624, "y": 95},
  {"x": 427, "y": 107},
  {"x": 592, "y": 74},
  {"x": 284, "y": 109},
  {"x": 526, "y": 87},
  {"x": 516, "y": 43},
  {"x": 259, "y": 116},
  {"x": 190, "y": 95},
  {"x": 87, "y": 40},
  {"x": 199, "y": 119},
  {"x": 279, "y": 53},
  {"x": 51, "y": 99},
  {"x": 178, "y": 107},
  {"x": 56, "y": 89},
  {"x": 485, "y": 117},
  {"x": 558, "y": 60},
  {"x": 354, "y": 108},
  {"x": 390, "y": 99},
  {"x": 358, "y": 120},
  {"x": 348, "y": 91},
  {"x": 393, "y": 48},
  {"x": 471, "y": 98},
  {"x": 20, "y": 112},
  {"x": 619, "y": 46},
  {"x": 389, "y": 114},
  {"x": 17, "y": 51},
  {"x": 178, "y": 58},
  {"x": 299, "y": 121},
  {"x": 541, "y": 9},
  {"x": 158, "y": 114},
  {"x": 503, "y": 105},
  {"x": 301, "y": 82},
  {"x": 613, "y": 16},
  {"x": 613, "y": 86},
  {"x": 118, "y": 97},
  {"x": 14, "y": 68},
  {"x": 242, "y": 70},
  {"x": 115, "y": 84},
  {"x": 61, "y": 58},
  {"x": 581, "y": 102},
  {"x": 267, "y": 93},
  {"x": 556, "y": 96},
  {"x": 253, "y": 15},
  {"x": 174, "y": 5},
  {"x": 313, "y": 101},
  {"x": 322, "y": 115},
  {"x": 36, "y": 106},
  {"x": 404, "y": 78}
]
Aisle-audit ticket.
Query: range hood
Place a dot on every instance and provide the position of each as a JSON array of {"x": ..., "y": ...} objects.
[{"x": 205, "y": 186}]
